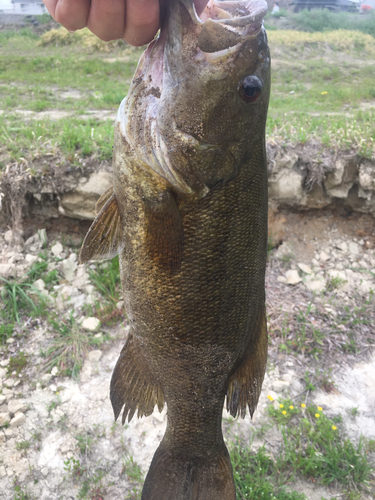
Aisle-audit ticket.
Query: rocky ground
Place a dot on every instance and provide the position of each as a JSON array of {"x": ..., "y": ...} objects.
[{"x": 58, "y": 439}]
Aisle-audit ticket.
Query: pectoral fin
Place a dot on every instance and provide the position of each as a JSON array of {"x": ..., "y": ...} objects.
[
  {"x": 132, "y": 385},
  {"x": 103, "y": 199},
  {"x": 246, "y": 383},
  {"x": 104, "y": 239},
  {"x": 164, "y": 231}
]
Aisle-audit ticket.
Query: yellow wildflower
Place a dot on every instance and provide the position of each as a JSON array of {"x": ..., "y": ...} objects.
[
  {"x": 320, "y": 408},
  {"x": 334, "y": 428},
  {"x": 281, "y": 406},
  {"x": 317, "y": 415},
  {"x": 270, "y": 398},
  {"x": 291, "y": 407},
  {"x": 284, "y": 412},
  {"x": 303, "y": 405},
  {"x": 324, "y": 93}
]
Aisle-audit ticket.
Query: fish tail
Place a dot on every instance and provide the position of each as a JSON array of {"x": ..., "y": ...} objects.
[{"x": 174, "y": 475}]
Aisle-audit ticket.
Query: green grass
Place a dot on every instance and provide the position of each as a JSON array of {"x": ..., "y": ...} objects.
[
  {"x": 324, "y": 20},
  {"x": 312, "y": 446},
  {"x": 69, "y": 346}
]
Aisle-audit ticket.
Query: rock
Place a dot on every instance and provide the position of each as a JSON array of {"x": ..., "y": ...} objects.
[
  {"x": 31, "y": 259},
  {"x": 315, "y": 283},
  {"x": 54, "y": 371},
  {"x": 323, "y": 257},
  {"x": 57, "y": 249},
  {"x": 91, "y": 324},
  {"x": 282, "y": 279},
  {"x": 120, "y": 305},
  {"x": 3, "y": 373},
  {"x": 81, "y": 203},
  {"x": 354, "y": 248},
  {"x": 9, "y": 382},
  {"x": 6, "y": 270},
  {"x": 39, "y": 285},
  {"x": 18, "y": 420},
  {"x": 286, "y": 160},
  {"x": 67, "y": 269},
  {"x": 53, "y": 387},
  {"x": 283, "y": 251},
  {"x": 16, "y": 405},
  {"x": 2, "y": 470},
  {"x": 334, "y": 273},
  {"x": 287, "y": 186},
  {"x": 4, "y": 418},
  {"x": 304, "y": 268},
  {"x": 45, "y": 471},
  {"x": 11, "y": 340},
  {"x": 94, "y": 356},
  {"x": 13, "y": 237},
  {"x": 367, "y": 176},
  {"x": 342, "y": 246},
  {"x": 2, "y": 399},
  {"x": 280, "y": 385},
  {"x": 2, "y": 440},
  {"x": 292, "y": 277}
]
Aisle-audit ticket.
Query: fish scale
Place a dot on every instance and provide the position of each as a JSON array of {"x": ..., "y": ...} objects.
[{"x": 188, "y": 218}]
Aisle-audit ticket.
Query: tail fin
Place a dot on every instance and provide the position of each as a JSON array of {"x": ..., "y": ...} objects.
[{"x": 173, "y": 476}]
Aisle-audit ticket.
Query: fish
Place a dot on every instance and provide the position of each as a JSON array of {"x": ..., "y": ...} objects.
[{"x": 187, "y": 215}]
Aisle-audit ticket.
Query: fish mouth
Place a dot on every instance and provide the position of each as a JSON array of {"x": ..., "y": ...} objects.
[{"x": 227, "y": 23}]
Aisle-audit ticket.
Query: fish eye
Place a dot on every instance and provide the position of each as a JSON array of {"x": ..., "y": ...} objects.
[{"x": 250, "y": 88}]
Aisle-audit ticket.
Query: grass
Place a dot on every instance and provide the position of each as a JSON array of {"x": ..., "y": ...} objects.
[
  {"x": 312, "y": 446},
  {"x": 106, "y": 279},
  {"x": 316, "y": 92}
]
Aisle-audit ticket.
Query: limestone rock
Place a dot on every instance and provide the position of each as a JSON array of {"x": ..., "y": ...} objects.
[
  {"x": 306, "y": 269},
  {"x": 39, "y": 285},
  {"x": 4, "y": 418},
  {"x": 57, "y": 249},
  {"x": 67, "y": 269},
  {"x": 94, "y": 356},
  {"x": 80, "y": 204},
  {"x": 18, "y": 420},
  {"x": 6, "y": 270},
  {"x": 91, "y": 324},
  {"x": 287, "y": 185},
  {"x": 354, "y": 249},
  {"x": 367, "y": 176},
  {"x": 292, "y": 277},
  {"x": 16, "y": 405},
  {"x": 280, "y": 385}
]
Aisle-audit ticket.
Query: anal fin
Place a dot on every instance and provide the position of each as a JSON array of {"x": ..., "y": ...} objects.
[
  {"x": 246, "y": 383},
  {"x": 133, "y": 386}
]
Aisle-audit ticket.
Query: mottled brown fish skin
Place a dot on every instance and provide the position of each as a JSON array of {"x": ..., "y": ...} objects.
[{"x": 192, "y": 270}]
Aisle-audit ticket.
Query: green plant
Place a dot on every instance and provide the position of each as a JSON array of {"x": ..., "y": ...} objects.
[
  {"x": 19, "y": 494},
  {"x": 23, "y": 445},
  {"x": 68, "y": 348},
  {"x": 17, "y": 363}
]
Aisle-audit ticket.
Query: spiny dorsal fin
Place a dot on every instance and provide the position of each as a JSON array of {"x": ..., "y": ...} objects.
[
  {"x": 164, "y": 231},
  {"x": 103, "y": 199},
  {"x": 104, "y": 238}
]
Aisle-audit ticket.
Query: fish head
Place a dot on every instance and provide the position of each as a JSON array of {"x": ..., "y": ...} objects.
[{"x": 200, "y": 94}]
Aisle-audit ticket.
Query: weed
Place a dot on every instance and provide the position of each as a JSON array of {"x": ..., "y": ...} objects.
[
  {"x": 312, "y": 446},
  {"x": 53, "y": 404},
  {"x": 353, "y": 412},
  {"x": 85, "y": 442},
  {"x": 74, "y": 467},
  {"x": 336, "y": 282},
  {"x": 255, "y": 475},
  {"x": 17, "y": 363},
  {"x": 19, "y": 494},
  {"x": 133, "y": 474},
  {"x": 69, "y": 347},
  {"x": 23, "y": 445}
]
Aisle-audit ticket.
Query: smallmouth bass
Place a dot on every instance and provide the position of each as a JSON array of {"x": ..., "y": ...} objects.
[{"x": 188, "y": 216}]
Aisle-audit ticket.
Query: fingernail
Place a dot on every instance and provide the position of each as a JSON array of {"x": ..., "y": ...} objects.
[{"x": 72, "y": 31}]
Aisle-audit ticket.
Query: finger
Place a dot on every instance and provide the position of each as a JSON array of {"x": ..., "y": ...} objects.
[
  {"x": 107, "y": 19},
  {"x": 142, "y": 21},
  {"x": 72, "y": 14}
]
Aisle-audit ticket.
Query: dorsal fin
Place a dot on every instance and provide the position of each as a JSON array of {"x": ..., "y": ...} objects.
[{"x": 104, "y": 238}]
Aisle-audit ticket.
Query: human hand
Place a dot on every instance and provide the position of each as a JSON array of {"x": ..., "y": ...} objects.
[{"x": 137, "y": 21}]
